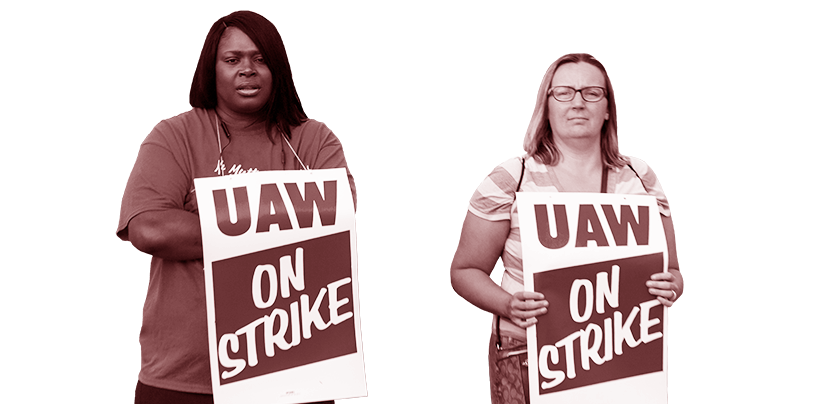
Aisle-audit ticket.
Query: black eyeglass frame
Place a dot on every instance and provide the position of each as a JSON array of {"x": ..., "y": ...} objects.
[{"x": 604, "y": 93}]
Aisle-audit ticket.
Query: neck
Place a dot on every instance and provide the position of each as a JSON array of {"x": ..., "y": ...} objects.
[
  {"x": 580, "y": 155},
  {"x": 235, "y": 120}
]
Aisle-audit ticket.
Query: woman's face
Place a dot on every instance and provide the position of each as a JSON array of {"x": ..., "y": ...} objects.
[
  {"x": 577, "y": 119},
  {"x": 243, "y": 81}
]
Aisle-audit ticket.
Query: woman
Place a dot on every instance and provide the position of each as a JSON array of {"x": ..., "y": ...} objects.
[
  {"x": 246, "y": 117},
  {"x": 571, "y": 146}
]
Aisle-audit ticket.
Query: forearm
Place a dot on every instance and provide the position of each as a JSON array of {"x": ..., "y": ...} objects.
[
  {"x": 678, "y": 281},
  {"x": 674, "y": 265},
  {"x": 478, "y": 288},
  {"x": 172, "y": 234}
]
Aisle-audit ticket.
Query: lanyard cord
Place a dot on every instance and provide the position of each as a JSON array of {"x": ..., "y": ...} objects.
[
  {"x": 305, "y": 167},
  {"x": 220, "y": 164}
]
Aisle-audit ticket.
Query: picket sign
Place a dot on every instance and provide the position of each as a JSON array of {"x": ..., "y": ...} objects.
[
  {"x": 281, "y": 283},
  {"x": 603, "y": 338}
]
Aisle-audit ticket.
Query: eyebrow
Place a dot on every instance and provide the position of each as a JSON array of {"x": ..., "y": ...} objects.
[
  {"x": 575, "y": 88},
  {"x": 241, "y": 52}
]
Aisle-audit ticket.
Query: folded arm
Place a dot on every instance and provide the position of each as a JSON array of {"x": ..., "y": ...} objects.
[{"x": 171, "y": 234}]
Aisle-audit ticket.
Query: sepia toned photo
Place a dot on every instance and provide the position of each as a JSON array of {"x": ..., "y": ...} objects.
[{"x": 431, "y": 123}]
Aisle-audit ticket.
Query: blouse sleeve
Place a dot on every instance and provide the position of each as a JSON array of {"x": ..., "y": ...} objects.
[
  {"x": 651, "y": 184},
  {"x": 330, "y": 155},
  {"x": 159, "y": 181},
  {"x": 493, "y": 199}
]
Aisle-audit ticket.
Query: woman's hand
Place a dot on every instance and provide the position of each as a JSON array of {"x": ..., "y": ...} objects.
[
  {"x": 523, "y": 308},
  {"x": 666, "y": 286}
]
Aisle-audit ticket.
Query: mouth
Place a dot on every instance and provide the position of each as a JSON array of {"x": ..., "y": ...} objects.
[{"x": 248, "y": 90}]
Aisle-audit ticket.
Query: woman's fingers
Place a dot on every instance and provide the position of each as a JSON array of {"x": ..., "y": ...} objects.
[
  {"x": 524, "y": 322},
  {"x": 525, "y": 306},
  {"x": 664, "y": 301},
  {"x": 528, "y": 302},
  {"x": 662, "y": 276},
  {"x": 659, "y": 285},
  {"x": 662, "y": 281},
  {"x": 528, "y": 296},
  {"x": 530, "y": 305},
  {"x": 667, "y": 294},
  {"x": 533, "y": 312},
  {"x": 662, "y": 285}
]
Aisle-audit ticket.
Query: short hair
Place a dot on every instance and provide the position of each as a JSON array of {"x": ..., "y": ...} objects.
[
  {"x": 283, "y": 108},
  {"x": 538, "y": 140}
]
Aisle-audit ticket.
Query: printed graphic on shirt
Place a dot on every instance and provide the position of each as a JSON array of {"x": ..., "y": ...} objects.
[{"x": 235, "y": 169}]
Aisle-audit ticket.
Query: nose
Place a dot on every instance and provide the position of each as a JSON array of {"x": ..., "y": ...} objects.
[
  {"x": 578, "y": 101},
  {"x": 246, "y": 68}
]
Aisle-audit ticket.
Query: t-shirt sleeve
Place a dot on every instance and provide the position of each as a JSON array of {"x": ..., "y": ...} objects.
[
  {"x": 330, "y": 155},
  {"x": 652, "y": 185},
  {"x": 158, "y": 181},
  {"x": 494, "y": 197}
]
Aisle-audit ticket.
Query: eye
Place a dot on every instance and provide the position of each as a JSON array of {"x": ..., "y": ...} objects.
[
  {"x": 231, "y": 60},
  {"x": 562, "y": 92},
  {"x": 593, "y": 92},
  {"x": 259, "y": 59}
]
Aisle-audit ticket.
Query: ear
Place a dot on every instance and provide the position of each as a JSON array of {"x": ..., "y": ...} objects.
[{"x": 606, "y": 116}]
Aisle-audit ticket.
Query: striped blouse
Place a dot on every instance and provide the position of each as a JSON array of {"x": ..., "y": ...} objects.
[{"x": 494, "y": 200}]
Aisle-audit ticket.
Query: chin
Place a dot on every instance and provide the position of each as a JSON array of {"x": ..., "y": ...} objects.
[
  {"x": 581, "y": 135},
  {"x": 247, "y": 108}
]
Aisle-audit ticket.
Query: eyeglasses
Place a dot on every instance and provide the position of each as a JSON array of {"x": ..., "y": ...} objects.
[{"x": 565, "y": 93}]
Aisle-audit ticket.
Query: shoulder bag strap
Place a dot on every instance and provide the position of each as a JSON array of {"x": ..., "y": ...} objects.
[
  {"x": 498, "y": 318},
  {"x": 521, "y": 176},
  {"x": 603, "y": 187},
  {"x": 639, "y": 178}
]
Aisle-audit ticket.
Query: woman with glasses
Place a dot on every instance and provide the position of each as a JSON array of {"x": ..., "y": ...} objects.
[{"x": 571, "y": 146}]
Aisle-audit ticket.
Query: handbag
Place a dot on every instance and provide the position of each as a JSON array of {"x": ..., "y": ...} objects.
[{"x": 508, "y": 370}]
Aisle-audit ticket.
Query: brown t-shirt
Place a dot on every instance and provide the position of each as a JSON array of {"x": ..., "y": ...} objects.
[{"x": 174, "y": 341}]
